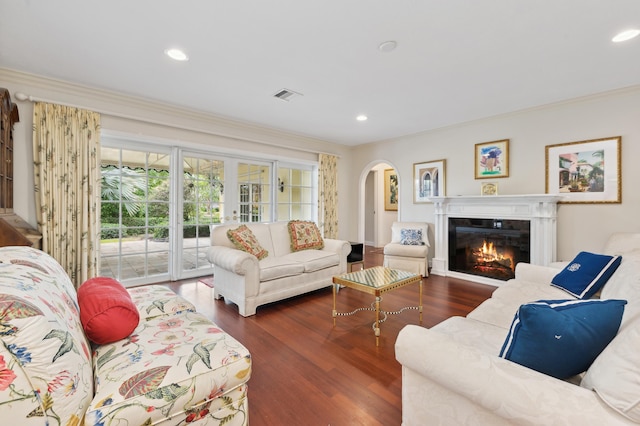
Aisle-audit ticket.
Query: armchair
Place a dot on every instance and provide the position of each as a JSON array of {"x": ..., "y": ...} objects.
[{"x": 409, "y": 248}]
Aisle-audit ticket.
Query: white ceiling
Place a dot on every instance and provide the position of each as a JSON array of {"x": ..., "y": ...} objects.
[{"x": 455, "y": 61}]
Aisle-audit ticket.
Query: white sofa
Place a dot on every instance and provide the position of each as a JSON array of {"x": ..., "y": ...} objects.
[
  {"x": 241, "y": 278},
  {"x": 408, "y": 257},
  {"x": 452, "y": 374}
]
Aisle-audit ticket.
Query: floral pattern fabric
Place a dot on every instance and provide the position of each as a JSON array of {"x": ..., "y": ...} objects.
[
  {"x": 176, "y": 368},
  {"x": 305, "y": 235},
  {"x": 45, "y": 359}
]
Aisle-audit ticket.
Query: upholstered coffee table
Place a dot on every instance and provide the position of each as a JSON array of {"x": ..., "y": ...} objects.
[{"x": 376, "y": 281}]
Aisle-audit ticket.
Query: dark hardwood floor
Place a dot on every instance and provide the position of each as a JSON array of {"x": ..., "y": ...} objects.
[{"x": 306, "y": 372}]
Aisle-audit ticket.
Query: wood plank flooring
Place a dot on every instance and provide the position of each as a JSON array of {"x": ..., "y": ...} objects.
[{"x": 306, "y": 372}]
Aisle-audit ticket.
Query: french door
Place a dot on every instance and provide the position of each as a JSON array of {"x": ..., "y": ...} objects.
[{"x": 159, "y": 204}]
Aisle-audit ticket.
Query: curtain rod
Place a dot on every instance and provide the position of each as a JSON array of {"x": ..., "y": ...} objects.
[{"x": 24, "y": 97}]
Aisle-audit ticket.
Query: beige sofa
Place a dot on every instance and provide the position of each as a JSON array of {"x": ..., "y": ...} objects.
[
  {"x": 241, "y": 278},
  {"x": 452, "y": 374}
]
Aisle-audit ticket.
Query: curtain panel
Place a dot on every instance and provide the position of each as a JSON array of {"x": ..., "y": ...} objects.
[
  {"x": 328, "y": 195},
  {"x": 66, "y": 152}
]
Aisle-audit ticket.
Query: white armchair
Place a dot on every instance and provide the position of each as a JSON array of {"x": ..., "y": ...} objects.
[{"x": 409, "y": 248}]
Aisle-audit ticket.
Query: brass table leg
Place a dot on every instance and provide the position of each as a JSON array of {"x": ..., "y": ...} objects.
[
  {"x": 335, "y": 313},
  {"x": 420, "y": 302},
  {"x": 377, "y": 328}
]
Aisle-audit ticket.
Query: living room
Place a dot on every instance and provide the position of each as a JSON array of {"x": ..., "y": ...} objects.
[{"x": 604, "y": 112}]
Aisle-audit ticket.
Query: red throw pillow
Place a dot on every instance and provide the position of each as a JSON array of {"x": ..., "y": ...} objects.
[{"x": 107, "y": 312}]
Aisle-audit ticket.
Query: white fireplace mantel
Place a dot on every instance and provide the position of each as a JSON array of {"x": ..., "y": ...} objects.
[{"x": 539, "y": 209}]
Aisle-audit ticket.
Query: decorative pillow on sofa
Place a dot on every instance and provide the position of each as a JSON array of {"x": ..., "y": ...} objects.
[
  {"x": 244, "y": 240},
  {"x": 107, "y": 312},
  {"x": 562, "y": 338},
  {"x": 411, "y": 237},
  {"x": 305, "y": 235},
  {"x": 586, "y": 274},
  {"x": 614, "y": 374}
]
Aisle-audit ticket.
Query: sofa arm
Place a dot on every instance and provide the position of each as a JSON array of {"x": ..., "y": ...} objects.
[
  {"x": 536, "y": 273},
  {"x": 342, "y": 248},
  {"x": 507, "y": 389},
  {"x": 236, "y": 261}
]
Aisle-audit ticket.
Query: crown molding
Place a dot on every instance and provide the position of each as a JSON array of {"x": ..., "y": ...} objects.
[{"x": 150, "y": 111}]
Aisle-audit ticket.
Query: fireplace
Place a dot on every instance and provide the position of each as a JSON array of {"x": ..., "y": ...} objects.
[
  {"x": 488, "y": 247},
  {"x": 501, "y": 214}
]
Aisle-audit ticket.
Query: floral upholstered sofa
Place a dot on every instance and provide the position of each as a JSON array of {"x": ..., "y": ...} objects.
[{"x": 174, "y": 368}]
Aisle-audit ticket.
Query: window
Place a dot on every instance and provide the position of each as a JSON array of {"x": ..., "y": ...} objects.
[{"x": 296, "y": 193}]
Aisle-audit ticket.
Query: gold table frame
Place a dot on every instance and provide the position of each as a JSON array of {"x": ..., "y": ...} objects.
[{"x": 376, "y": 280}]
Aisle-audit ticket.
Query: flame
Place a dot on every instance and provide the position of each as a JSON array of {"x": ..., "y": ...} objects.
[{"x": 489, "y": 253}]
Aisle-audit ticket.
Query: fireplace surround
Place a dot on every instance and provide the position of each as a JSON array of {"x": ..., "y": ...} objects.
[{"x": 532, "y": 217}]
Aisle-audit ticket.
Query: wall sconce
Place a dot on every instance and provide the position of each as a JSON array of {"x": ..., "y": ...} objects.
[{"x": 280, "y": 185}]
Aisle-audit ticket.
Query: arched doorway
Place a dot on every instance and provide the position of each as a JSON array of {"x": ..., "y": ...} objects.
[{"x": 374, "y": 218}]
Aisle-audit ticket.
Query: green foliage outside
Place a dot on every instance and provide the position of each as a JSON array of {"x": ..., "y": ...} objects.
[{"x": 147, "y": 214}]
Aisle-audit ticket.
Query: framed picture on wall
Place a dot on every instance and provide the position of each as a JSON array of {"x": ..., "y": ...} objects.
[
  {"x": 428, "y": 180},
  {"x": 390, "y": 189},
  {"x": 585, "y": 171},
  {"x": 492, "y": 159}
]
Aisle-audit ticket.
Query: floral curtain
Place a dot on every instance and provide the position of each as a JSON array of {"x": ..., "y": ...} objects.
[
  {"x": 328, "y": 195},
  {"x": 66, "y": 154}
]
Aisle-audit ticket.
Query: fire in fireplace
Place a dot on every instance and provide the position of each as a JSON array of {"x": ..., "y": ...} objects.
[{"x": 488, "y": 247}]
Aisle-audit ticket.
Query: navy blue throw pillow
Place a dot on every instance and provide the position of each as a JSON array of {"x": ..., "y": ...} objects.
[
  {"x": 586, "y": 274},
  {"x": 562, "y": 338}
]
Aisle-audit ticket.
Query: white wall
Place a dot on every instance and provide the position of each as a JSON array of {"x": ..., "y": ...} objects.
[
  {"x": 580, "y": 226},
  {"x": 144, "y": 120}
]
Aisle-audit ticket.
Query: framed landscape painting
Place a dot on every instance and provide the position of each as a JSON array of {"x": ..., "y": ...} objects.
[
  {"x": 390, "y": 190},
  {"x": 492, "y": 159},
  {"x": 428, "y": 180},
  {"x": 585, "y": 171}
]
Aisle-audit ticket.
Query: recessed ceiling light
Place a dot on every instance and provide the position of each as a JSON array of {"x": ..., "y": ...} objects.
[
  {"x": 625, "y": 35},
  {"x": 176, "y": 54},
  {"x": 387, "y": 46},
  {"x": 362, "y": 117}
]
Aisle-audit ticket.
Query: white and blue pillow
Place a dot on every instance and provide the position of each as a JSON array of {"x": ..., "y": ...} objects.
[
  {"x": 411, "y": 237},
  {"x": 586, "y": 274},
  {"x": 562, "y": 338}
]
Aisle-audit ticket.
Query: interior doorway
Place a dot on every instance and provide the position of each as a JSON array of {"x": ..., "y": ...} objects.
[{"x": 376, "y": 212}]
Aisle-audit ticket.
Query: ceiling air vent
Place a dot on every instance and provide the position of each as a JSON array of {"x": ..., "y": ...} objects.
[{"x": 286, "y": 94}]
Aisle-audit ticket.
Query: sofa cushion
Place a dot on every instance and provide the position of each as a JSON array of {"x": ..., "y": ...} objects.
[
  {"x": 158, "y": 300},
  {"x": 315, "y": 260},
  {"x": 304, "y": 235},
  {"x": 170, "y": 366},
  {"x": 273, "y": 268},
  {"x": 107, "y": 312},
  {"x": 397, "y": 249},
  {"x": 586, "y": 274},
  {"x": 562, "y": 338},
  {"x": 614, "y": 374},
  {"x": 244, "y": 240},
  {"x": 625, "y": 284},
  {"x": 500, "y": 308}
]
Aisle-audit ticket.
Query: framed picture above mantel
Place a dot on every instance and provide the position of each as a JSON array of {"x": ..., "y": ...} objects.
[
  {"x": 428, "y": 180},
  {"x": 585, "y": 171},
  {"x": 492, "y": 159}
]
